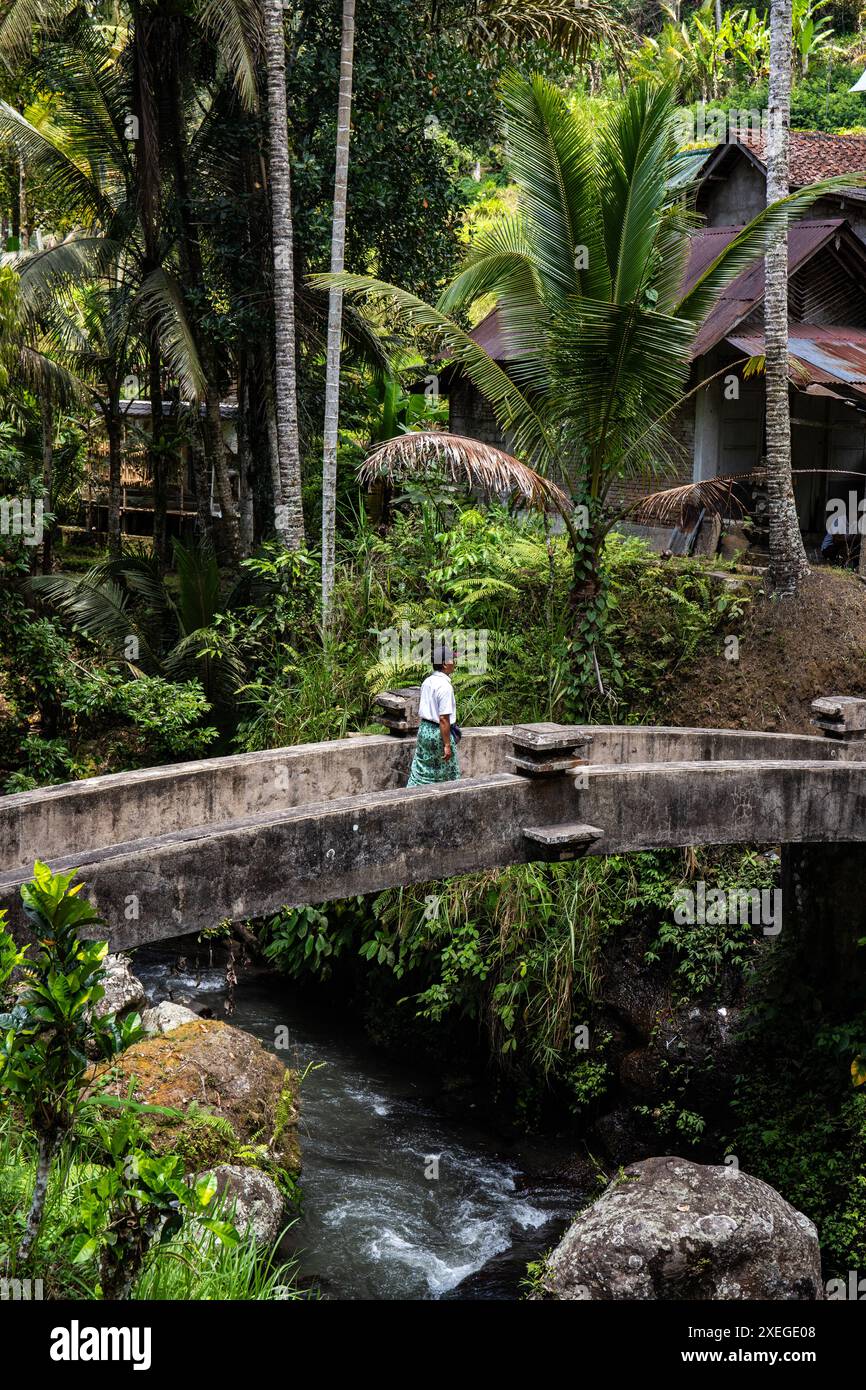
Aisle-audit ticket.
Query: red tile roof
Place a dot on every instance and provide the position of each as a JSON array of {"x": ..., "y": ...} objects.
[{"x": 814, "y": 154}]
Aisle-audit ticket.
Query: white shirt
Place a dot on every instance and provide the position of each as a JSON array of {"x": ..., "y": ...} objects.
[{"x": 437, "y": 698}]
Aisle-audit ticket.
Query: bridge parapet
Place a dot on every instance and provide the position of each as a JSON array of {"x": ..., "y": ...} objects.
[{"x": 245, "y": 835}]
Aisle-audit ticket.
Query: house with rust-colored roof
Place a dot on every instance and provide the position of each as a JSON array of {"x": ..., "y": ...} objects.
[{"x": 720, "y": 429}]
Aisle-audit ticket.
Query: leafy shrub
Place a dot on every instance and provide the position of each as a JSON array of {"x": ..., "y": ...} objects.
[
  {"x": 169, "y": 715},
  {"x": 45, "y": 762}
]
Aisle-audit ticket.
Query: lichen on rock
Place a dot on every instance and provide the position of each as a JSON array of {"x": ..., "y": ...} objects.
[
  {"x": 669, "y": 1229},
  {"x": 238, "y": 1100}
]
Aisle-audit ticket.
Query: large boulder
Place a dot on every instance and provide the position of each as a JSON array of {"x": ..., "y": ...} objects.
[
  {"x": 253, "y": 1202},
  {"x": 123, "y": 992},
  {"x": 165, "y": 1016},
  {"x": 234, "y": 1095},
  {"x": 670, "y": 1229}
]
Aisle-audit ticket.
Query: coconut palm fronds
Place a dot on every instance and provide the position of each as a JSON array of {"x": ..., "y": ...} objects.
[
  {"x": 573, "y": 30},
  {"x": 466, "y": 462}
]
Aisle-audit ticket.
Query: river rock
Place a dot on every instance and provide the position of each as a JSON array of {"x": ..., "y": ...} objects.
[
  {"x": 257, "y": 1202},
  {"x": 233, "y": 1092},
  {"x": 123, "y": 992},
  {"x": 164, "y": 1017},
  {"x": 669, "y": 1229}
]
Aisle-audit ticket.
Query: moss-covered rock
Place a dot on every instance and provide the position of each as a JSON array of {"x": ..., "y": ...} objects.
[{"x": 239, "y": 1103}]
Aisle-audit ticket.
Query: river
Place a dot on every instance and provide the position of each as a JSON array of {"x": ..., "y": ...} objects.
[{"x": 401, "y": 1198}]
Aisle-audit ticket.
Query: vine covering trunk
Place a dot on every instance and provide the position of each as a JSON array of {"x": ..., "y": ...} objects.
[
  {"x": 288, "y": 506},
  {"x": 335, "y": 313},
  {"x": 788, "y": 562}
]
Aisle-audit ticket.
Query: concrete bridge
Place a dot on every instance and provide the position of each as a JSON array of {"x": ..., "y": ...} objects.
[{"x": 170, "y": 850}]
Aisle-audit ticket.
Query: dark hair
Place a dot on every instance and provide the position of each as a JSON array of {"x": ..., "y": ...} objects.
[{"x": 445, "y": 654}]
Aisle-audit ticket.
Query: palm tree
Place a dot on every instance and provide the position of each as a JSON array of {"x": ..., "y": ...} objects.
[
  {"x": 335, "y": 313},
  {"x": 287, "y": 486},
  {"x": 174, "y": 628},
  {"x": 788, "y": 563},
  {"x": 587, "y": 275},
  {"x": 99, "y": 288},
  {"x": 116, "y": 182},
  {"x": 484, "y": 26}
]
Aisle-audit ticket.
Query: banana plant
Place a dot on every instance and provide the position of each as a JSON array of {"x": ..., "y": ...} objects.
[{"x": 812, "y": 31}]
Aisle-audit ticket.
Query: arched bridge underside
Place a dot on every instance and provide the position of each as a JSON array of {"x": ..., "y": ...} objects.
[{"x": 171, "y": 850}]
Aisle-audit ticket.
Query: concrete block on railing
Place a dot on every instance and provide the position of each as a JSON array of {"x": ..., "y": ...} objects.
[
  {"x": 540, "y": 750},
  {"x": 840, "y": 716},
  {"x": 400, "y": 710}
]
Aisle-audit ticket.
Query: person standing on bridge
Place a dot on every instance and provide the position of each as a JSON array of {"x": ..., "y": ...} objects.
[{"x": 435, "y": 757}]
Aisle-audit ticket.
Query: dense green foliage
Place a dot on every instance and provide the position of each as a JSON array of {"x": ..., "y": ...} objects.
[
  {"x": 99, "y": 1201},
  {"x": 187, "y": 1266},
  {"x": 135, "y": 177}
]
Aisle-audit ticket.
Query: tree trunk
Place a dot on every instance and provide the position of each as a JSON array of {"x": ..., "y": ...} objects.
[
  {"x": 273, "y": 441},
  {"x": 157, "y": 449},
  {"x": 47, "y": 413},
  {"x": 113, "y": 428},
  {"x": 45, "y": 1153},
  {"x": 788, "y": 562},
  {"x": 245, "y": 457},
  {"x": 288, "y": 507},
  {"x": 588, "y": 609},
  {"x": 24, "y": 230},
  {"x": 193, "y": 276},
  {"x": 335, "y": 315},
  {"x": 215, "y": 447},
  {"x": 202, "y": 483}
]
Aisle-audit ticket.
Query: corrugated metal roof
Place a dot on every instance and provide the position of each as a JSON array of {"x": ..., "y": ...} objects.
[
  {"x": 738, "y": 300},
  {"x": 228, "y": 409},
  {"x": 747, "y": 291},
  {"x": 824, "y": 356}
]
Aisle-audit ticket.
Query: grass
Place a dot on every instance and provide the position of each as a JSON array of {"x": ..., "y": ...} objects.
[{"x": 189, "y": 1267}]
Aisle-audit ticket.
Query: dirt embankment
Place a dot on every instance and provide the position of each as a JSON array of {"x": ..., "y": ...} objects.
[{"x": 790, "y": 652}]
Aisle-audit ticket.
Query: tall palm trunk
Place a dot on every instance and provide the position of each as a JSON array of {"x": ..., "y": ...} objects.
[
  {"x": 113, "y": 429},
  {"x": 335, "y": 314},
  {"x": 193, "y": 275},
  {"x": 157, "y": 449},
  {"x": 288, "y": 506},
  {"x": 788, "y": 562},
  {"x": 47, "y": 413}
]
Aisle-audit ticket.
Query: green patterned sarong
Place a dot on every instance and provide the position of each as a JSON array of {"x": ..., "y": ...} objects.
[{"x": 428, "y": 764}]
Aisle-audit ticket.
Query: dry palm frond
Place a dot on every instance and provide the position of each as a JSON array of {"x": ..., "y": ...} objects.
[
  {"x": 680, "y": 506},
  {"x": 798, "y": 371},
  {"x": 464, "y": 461}
]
